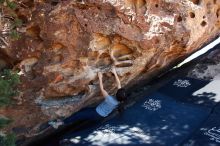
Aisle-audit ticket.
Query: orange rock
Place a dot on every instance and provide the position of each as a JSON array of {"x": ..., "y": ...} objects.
[
  {"x": 58, "y": 78},
  {"x": 139, "y": 37}
]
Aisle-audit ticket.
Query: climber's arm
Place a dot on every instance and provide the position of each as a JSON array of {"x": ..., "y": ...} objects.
[
  {"x": 116, "y": 77},
  {"x": 104, "y": 93}
]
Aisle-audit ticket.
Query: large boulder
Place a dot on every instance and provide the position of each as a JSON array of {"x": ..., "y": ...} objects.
[{"x": 68, "y": 41}]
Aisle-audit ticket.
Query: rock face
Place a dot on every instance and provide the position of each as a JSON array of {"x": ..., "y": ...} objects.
[{"x": 68, "y": 41}]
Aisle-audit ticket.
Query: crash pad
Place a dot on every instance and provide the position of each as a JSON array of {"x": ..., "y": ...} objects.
[
  {"x": 156, "y": 119},
  {"x": 208, "y": 134},
  {"x": 194, "y": 91}
]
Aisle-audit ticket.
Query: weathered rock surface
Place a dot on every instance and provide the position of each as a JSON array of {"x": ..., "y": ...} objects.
[{"x": 68, "y": 41}]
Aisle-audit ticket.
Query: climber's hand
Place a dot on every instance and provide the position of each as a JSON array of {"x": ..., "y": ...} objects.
[
  {"x": 100, "y": 75},
  {"x": 113, "y": 70}
]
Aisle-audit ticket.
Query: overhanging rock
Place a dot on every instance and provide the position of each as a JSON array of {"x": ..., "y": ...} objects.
[{"x": 66, "y": 43}]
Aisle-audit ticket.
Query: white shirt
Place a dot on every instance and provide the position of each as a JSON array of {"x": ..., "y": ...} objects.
[{"x": 107, "y": 106}]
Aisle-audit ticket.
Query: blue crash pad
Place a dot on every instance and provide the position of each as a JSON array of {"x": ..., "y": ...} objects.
[
  {"x": 208, "y": 134},
  {"x": 182, "y": 87},
  {"x": 154, "y": 120}
]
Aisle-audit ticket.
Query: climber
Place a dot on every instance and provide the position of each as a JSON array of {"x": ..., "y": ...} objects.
[
  {"x": 106, "y": 107},
  {"x": 110, "y": 102}
]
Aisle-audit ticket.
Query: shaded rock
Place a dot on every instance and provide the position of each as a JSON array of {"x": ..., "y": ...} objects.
[
  {"x": 20, "y": 130},
  {"x": 3, "y": 64},
  {"x": 43, "y": 126}
]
